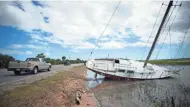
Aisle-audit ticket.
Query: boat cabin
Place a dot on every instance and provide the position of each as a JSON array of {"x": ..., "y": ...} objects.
[{"x": 112, "y": 65}]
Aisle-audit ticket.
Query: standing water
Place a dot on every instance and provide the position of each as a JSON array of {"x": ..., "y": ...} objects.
[
  {"x": 171, "y": 92},
  {"x": 94, "y": 79}
]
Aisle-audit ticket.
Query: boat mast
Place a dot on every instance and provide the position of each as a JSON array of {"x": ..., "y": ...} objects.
[{"x": 158, "y": 33}]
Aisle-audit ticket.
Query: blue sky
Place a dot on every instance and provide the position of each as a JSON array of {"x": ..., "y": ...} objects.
[{"x": 73, "y": 28}]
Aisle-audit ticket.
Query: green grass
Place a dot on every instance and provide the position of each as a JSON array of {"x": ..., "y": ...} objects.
[{"x": 181, "y": 61}]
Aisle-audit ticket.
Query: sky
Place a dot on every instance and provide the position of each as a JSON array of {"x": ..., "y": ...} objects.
[{"x": 73, "y": 29}]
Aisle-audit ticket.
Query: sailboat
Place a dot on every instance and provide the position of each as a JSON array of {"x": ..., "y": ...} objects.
[{"x": 131, "y": 69}]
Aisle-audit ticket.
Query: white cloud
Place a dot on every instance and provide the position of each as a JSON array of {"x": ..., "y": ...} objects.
[
  {"x": 28, "y": 52},
  {"x": 47, "y": 54},
  {"x": 27, "y": 49},
  {"x": 36, "y": 37},
  {"x": 16, "y": 46},
  {"x": 35, "y": 41},
  {"x": 74, "y": 50},
  {"x": 111, "y": 45},
  {"x": 31, "y": 46},
  {"x": 139, "y": 44},
  {"x": 84, "y": 45},
  {"x": 9, "y": 51},
  {"x": 71, "y": 23},
  {"x": 121, "y": 44}
]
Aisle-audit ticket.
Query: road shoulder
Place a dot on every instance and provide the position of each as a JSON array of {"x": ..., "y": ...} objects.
[{"x": 57, "y": 90}]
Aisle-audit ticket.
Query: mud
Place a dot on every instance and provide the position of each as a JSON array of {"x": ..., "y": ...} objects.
[{"x": 171, "y": 92}]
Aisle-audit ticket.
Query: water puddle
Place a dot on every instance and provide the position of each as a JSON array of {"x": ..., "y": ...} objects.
[{"x": 93, "y": 79}]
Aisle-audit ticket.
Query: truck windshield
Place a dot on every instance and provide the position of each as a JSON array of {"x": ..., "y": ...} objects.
[{"x": 32, "y": 59}]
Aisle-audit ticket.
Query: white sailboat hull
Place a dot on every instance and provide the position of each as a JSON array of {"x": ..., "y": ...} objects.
[{"x": 126, "y": 69}]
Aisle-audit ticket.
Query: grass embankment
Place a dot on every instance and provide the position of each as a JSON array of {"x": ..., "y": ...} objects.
[
  {"x": 185, "y": 61},
  {"x": 55, "y": 91}
]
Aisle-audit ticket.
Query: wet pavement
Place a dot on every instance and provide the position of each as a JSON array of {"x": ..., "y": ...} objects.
[{"x": 171, "y": 92}]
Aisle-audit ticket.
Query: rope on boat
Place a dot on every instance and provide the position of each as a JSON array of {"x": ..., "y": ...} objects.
[{"x": 106, "y": 27}]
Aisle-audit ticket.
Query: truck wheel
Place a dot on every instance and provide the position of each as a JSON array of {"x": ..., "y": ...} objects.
[
  {"x": 17, "y": 72},
  {"x": 49, "y": 69},
  {"x": 35, "y": 70}
]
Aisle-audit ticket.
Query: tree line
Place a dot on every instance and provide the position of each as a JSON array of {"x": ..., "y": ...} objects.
[
  {"x": 4, "y": 60},
  {"x": 63, "y": 60}
]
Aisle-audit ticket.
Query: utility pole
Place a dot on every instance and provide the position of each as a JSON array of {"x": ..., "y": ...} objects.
[{"x": 158, "y": 33}]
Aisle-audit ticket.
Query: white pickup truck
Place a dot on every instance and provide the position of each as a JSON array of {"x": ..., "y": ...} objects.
[{"x": 32, "y": 65}]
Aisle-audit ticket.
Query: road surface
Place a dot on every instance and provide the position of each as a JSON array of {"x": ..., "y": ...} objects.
[{"x": 8, "y": 79}]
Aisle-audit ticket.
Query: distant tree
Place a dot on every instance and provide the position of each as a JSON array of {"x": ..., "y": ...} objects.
[
  {"x": 58, "y": 61},
  {"x": 4, "y": 60},
  {"x": 63, "y": 58},
  {"x": 52, "y": 61},
  {"x": 48, "y": 60},
  {"x": 78, "y": 60},
  {"x": 41, "y": 55}
]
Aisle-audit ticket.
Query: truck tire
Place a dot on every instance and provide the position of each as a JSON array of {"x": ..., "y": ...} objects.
[
  {"x": 35, "y": 70},
  {"x": 49, "y": 69},
  {"x": 17, "y": 72}
]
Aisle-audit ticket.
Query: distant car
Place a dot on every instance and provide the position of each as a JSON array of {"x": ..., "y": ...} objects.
[
  {"x": 67, "y": 63},
  {"x": 32, "y": 65}
]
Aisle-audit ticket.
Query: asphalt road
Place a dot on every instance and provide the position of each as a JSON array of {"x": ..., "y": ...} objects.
[{"x": 8, "y": 78}]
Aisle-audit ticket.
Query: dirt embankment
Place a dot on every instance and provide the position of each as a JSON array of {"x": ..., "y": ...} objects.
[{"x": 55, "y": 91}]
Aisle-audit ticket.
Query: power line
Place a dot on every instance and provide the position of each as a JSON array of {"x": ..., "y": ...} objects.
[
  {"x": 152, "y": 31},
  {"x": 105, "y": 27}
]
